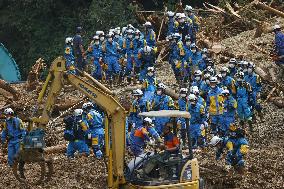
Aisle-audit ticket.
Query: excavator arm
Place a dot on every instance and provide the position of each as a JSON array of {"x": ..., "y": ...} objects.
[{"x": 57, "y": 78}]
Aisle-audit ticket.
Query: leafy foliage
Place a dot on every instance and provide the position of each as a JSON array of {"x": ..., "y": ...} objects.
[{"x": 37, "y": 28}]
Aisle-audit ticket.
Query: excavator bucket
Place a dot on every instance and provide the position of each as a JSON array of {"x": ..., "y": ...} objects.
[{"x": 9, "y": 70}]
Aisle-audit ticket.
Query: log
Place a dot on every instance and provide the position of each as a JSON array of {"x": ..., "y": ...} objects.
[
  {"x": 270, "y": 94},
  {"x": 162, "y": 23},
  {"x": 7, "y": 87},
  {"x": 279, "y": 104},
  {"x": 262, "y": 74},
  {"x": 270, "y": 9},
  {"x": 272, "y": 74},
  {"x": 232, "y": 11},
  {"x": 55, "y": 149}
]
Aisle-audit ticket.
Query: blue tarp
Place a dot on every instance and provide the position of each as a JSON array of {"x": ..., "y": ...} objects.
[{"x": 9, "y": 70}]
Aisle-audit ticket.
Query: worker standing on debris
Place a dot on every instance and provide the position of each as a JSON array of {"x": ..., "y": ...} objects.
[
  {"x": 171, "y": 23},
  {"x": 111, "y": 50},
  {"x": 161, "y": 101},
  {"x": 138, "y": 106},
  {"x": 279, "y": 48},
  {"x": 195, "y": 58},
  {"x": 230, "y": 107},
  {"x": 69, "y": 56},
  {"x": 150, "y": 84},
  {"x": 13, "y": 132},
  {"x": 75, "y": 133},
  {"x": 96, "y": 132},
  {"x": 147, "y": 58},
  {"x": 150, "y": 35},
  {"x": 189, "y": 12},
  {"x": 244, "y": 97},
  {"x": 97, "y": 57},
  {"x": 232, "y": 67},
  {"x": 197, "y": 81},
  {"x": 140, "y": 135},
  {"x": 227, "y": 81},
  {"x": 203, "y": 61},
  {"x": 237, "y": 146},
  {"x": 197, "y": 121},
  {"x": 255, "y": 82},
  {"x": 79, "y": 49},
  {"x": 215, "y": 105},
  {"x": 181, "y": 105}
]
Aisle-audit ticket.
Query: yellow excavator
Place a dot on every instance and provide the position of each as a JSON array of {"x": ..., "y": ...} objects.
[{"x": 120, "y": 174}]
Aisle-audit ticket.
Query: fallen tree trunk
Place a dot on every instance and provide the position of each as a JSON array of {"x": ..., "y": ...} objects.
[
  {"x": 55, "y": 149},
  {"x": 7, "y": 87},
  {"x": 270, "y": 9}
]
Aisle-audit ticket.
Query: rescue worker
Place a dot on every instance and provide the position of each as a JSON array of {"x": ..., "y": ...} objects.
[
  {"x": 197, "y": 119},
  {"x": 69, "y": 56},
  {"x": 13, "y": 133},
  {"x": 147, "y": 57},
  {"x": 75, "y": 133},
  {"x": 150, "y": 84},
  {"x": 194, "y": 90},
  {"x": 227, "y": 81},
  {"x": 150, "y": 35},
  {"x": 171, "y": 23},
  {"x": 138, "y": 106},
  {"x": 101, "y": 35},
  {"x": 79, "y": 49},
  {"x": 255, "y": 82},
  {"x": 194, "y": 19},
  {"x": 97, "y": 57},
  {"x": 195, "y": 58},
  {"x": 161, "y": 101},
  {"x": 182, "y": 106},
  {"x": 279, "y": 48},
  {"x": 230, "y": 107},
  {"x": 236, "y": 146},
  {"x": 204, "y": 89},
  {"x": 244, "y": 95},
  {"x": 215, "y": 105},
  {"x": 111, "y": 50},
  {"x": 182, "y": 26},
  {"x": 131, "y": 45},
  {"x": 203, "y": 62},
  {"x": 198, "y": 79},
  {"x": 138, "y": 44},
  {"x": 177, "y": 54},
  {"x": 140, "y": 135},
  {"x": 232, "y": 67},
  {"x": 96, "y": 132}
]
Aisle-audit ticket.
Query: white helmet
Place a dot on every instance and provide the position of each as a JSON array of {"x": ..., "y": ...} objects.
[
  {"x": 215, "y": 140},
  {"x": 192, "y": 97},
  {"x": 147, "y": 49},
  {"x": 87, "y": 105},
  {"x": 100, "y": 33},
  {"x": 183, "y": 90},
  {"x": 195, "y": 90},
  {"x": 224, "y": 69},
  {"x": 275, "y": 27},
  {"x": 117, "y": 30},
  {"x": 150, "y": 69},
  {"x": 161, "y": 86},
  {"x": 123, "y": 30},
  {"x": 8, "y": 111},
  {"x": 213, "y": 80},
  {"x": 226, "y": 92},
  {"x": 148, "y": 120},
  {"x": 68, "y": 40},
  {"x": 96, "y": 37},
  {"x": 188, "y": 8},
  {"x": 197, "y": 73},
  {"x": 170, "y": 13},
  {"x": 137, "y": 92},
  {"x": 78, "y": 112},
  {"x": 147, "y": 24}
]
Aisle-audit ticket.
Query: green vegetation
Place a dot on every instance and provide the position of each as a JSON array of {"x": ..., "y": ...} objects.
[{"x": 37, "y": 28}]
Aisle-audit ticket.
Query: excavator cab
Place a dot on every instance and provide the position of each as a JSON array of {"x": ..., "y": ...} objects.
[{"x": 163, "y": 169}]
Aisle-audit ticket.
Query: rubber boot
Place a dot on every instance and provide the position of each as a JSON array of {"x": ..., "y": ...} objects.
[{"x": 22, "y": 170}]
